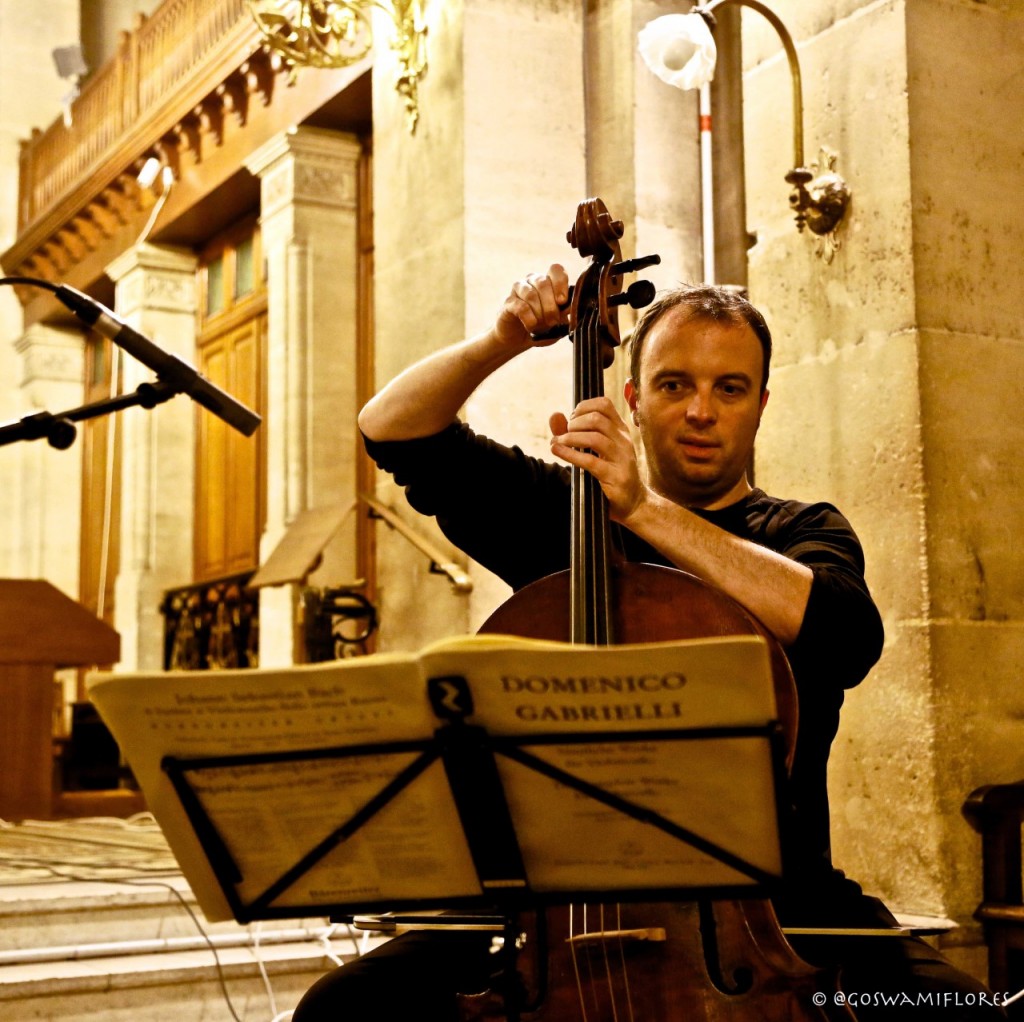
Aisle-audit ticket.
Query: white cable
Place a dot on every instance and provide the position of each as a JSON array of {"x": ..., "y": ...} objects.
[
  {"x": 257, "y": 930},
  {"x": 167, "y": 178},
  {"x": 325, "y": 943}
]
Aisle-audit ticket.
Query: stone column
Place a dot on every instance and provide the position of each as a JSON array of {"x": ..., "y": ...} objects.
[
  {"x": 309, "y": 202},
  {"x": 52, "y": 367},
  {"x": 498, "y": 165},
  {"x": 30, "y": 96},
  {"x": 156, "y": 294},
  {"x": 643, "y": 154}
]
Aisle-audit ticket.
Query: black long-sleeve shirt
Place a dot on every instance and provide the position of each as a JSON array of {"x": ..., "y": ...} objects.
[{"x": 511, "y": 513}]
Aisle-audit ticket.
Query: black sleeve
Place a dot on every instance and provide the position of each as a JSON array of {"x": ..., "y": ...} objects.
[
  {"x": 505, "y": 509},
  {"x": 842, "y": 635}
]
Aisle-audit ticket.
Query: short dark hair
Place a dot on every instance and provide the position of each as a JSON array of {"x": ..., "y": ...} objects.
[{"x": 704, "y": 302}]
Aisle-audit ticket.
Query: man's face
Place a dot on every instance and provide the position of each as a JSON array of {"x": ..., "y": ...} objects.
[{"x": 698, "y": 406}]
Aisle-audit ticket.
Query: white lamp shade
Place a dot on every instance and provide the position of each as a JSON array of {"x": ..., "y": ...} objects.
[{"x": 679, "y": 49}]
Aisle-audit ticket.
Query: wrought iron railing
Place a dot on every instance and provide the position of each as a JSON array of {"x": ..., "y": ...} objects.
[
  {"x": 215, "y": 625},
  {"x": 211, "y": 625},
  {"x": 337, "y": 623}
]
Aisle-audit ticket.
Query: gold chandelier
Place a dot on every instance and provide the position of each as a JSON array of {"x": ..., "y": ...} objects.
[{"x": 338, "y": 33}]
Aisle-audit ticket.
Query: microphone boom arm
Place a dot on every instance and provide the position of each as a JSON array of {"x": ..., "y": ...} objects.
[
  {"x": 174, "y": 376},
  {"x": 58, "y": 428},
  {"x": 169, "y": 368}
]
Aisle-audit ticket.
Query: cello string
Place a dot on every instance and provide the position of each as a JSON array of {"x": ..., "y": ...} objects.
[
  {"x": 598, "y": 535},
  {"x": 609, "y": 979},
  {"x": 594, "y": 523},
  {"x": 575, "y": 960},
  {"x": 622, "y": 960},
  {"x": 592, "y": 624}
]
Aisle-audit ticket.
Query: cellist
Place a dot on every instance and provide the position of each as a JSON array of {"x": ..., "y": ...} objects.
[{"x": 699, "y": 364}]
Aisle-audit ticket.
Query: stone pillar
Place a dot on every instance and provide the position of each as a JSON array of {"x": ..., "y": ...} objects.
[
  {"x": 643, "y": 154},
  {"x": 967, "y": 135},
  {"x": 895, "y": 394},
  {"x": 498, "y": 161},
  {"x": 52, "y": 365},
  {"x": 309, "y": 202},
  {"x": 30, "y": 96},
  {"x": 156, "y": 294}
]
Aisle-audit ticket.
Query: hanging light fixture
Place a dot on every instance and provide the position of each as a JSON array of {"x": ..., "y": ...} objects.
[
  {"x": 338, "y": 33},
  {"x": 680, "y": 50}
]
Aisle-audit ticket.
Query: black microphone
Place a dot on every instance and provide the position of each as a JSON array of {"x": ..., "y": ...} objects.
[{"x": 169, "y": 368}]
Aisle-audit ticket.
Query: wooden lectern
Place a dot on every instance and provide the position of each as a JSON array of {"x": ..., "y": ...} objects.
[{"x": 41, "y": 629}]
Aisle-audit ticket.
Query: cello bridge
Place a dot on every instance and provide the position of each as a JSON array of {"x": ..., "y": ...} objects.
[{"x": 652, "y": 933}]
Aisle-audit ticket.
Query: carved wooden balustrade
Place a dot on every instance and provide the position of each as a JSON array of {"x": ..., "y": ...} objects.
[{"x": 176, "y": 80}]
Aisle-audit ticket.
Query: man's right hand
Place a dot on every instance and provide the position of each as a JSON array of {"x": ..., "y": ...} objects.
[{"x": 536, "y": 305}]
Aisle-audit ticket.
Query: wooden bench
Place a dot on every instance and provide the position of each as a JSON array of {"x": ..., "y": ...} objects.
[{"x": 996, "y": 811}]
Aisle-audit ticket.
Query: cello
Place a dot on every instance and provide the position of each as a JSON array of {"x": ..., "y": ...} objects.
[{"x": 708, "y": 960}]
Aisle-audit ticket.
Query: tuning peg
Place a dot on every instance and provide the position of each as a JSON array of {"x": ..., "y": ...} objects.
[
  {"x": 636, "y": 296},
  {"x": 632, "y": 265}
]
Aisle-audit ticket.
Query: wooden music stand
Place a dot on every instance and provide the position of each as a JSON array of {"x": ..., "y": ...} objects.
[{"x": 41, "y": 630}]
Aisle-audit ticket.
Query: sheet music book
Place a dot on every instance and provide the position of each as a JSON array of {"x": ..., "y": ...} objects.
[{"x": 625, "y": 768}]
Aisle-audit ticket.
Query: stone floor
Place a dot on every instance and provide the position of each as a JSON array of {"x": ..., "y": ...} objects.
[
  {"x": 98, "y": 925},
  {"x": 89, "y": 849}
]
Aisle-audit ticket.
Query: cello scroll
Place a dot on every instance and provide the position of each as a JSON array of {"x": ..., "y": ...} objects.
[{"x": 595, "y": 235}]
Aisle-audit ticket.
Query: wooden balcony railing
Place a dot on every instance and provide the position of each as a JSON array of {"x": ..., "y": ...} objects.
[{"x": 156, "y": 88}]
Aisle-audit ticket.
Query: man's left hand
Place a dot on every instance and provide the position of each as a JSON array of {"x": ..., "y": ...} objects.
[{"x": 597, "y": 440}]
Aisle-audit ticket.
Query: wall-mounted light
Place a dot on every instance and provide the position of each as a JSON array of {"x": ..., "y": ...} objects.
[
  {"x": 680, "y": 49},
  {"x": 338, "y": 33},
  {"x": 152, "y": 171}
]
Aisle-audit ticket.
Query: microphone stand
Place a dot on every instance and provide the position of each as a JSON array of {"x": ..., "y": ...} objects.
[
  {"x": 174, "y": 376},
  {"x": 58, "y": 429}
]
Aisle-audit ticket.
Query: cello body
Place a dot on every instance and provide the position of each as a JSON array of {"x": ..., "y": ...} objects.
[
  {"x": 662, "y": 961},
  {"x": 624, "y": 973}
]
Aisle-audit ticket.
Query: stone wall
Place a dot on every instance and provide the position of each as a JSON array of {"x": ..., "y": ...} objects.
[
  {"x": 894, "y": 395},
  {"x": 30, "y": 96}
]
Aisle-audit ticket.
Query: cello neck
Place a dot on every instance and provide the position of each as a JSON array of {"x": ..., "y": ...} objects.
[
  {"x": 590, "y": 558},
  {"x": 595, "y": 334}
]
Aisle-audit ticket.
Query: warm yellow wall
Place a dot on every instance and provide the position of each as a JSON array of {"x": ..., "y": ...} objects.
[
  {"x": 30, "y": 96},
  {"x": 896, "y": 395}
]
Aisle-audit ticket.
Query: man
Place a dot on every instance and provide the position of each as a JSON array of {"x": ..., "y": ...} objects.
[{"x": 697, "y": 390}]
